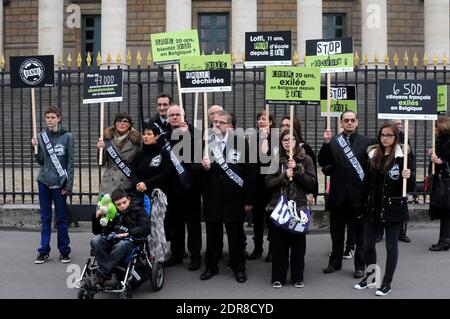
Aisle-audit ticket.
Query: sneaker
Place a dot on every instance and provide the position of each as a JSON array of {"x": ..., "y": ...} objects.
[
  {"x": 41, "y": 258},
  {"x": 277, "y": 284},
  {"x": 364, "y": 284},
  {"x": 383, "y": 290},
  {"x": 348, "y": 254},
  {"x": 299, "y": 284},
  {"x": 65, "y": 259}
]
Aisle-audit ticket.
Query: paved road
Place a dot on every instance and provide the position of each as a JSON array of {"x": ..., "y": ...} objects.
[{"x": 420, "y": 273}]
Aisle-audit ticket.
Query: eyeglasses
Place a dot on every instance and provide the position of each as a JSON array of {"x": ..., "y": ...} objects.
[
  {"x": 285, "y": 125},
  {"x": 287, "y": 140},
  {"x": 387, "y": 135},
  {"x": 175, "y": 115},
  {"x": 123, "y": 121},
  {"x": 221, "y": 122},
  {"x": 349, "y": 120}
]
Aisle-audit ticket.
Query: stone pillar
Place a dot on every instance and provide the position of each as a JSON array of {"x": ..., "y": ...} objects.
[
  {"x": 243, "y": 19},
  {"x": 50, "y": 28},
  {"x": 1, "y": 28},
  {"x": 309, "y": 24},
  {"x": 114, "y": 29},
  {"x": 436, "y": 35},
  {"x": 374, "y": 29},
  {"x": 178, "y": 15}
]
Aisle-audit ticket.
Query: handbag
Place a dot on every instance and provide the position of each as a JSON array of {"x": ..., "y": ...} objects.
[
  {"x": 288, "y": 217},
  {"x": 440, "y": 193}
]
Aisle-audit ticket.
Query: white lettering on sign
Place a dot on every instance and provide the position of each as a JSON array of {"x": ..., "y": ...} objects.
[
  {"x": 374, "y": 18},
  {"x": 338, "y": 93},
  {"x": 329, "y": 47}
]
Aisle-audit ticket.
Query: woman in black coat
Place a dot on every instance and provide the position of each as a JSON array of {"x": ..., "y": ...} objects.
[
  {"x": 382, "y": 192},
  {"x": 440, "y": 158}
]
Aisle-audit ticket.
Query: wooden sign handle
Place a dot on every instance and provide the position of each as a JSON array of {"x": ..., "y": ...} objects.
[
  {"x": 33, "y": 115},
  {"x": 180, "y": 95},
  {"x": 405, "y": 155},
  {"x": 205, "y": 122},
  {"x": 102, "y": 118}
]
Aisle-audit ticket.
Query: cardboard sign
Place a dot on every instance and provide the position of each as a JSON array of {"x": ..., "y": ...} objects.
[
  {"x": 169, "y": 47},
  {"x": 330, "y": 55},
  {"x": 103, "y": 86},
  {"x": 342, "y": 98},
  {"x": 32, "y": 71},
  {"x": 407, "y": 99},
  {"x": 268, "y": 48},
  {"x": 442, "y": 99},
  {"x": 205, "y": 73},
  {"x": 292, "y": 85}
]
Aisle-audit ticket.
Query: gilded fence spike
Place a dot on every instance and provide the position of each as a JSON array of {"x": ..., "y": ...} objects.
[
  {"x": 60, "y": 61},
  {"x": 405, "y": 59},
  {"x": 356, "y": 58},
  {"x": 375, "y": 58},
  {"x": 149, "y": 59},
  {"x": 88, "y": 59},
  {"x": 444, "y": 59},
  {"x": 79, "y": 60},
  {"x": 203, "y": 52},
  {"x": 118, "y": 58},
  {"x": 243, "y": 57},
  {"x": 2, "y": 62},
  {"x": 425, "y": 59},
  {"x": 69, "y": 60},
  {"x": 233, "y": 58},
  {"x": 386, "y": 59},
  {"x": 99, "y": 59},
  {"x": 435, "y": 60},
  {"x": 415, "y": 60},
  {"x": 129, "y": 57},
  {"x": 138, "y": 58},
  {"x": 223, "y": 52},
  {"x": 108, "y": 59},
  {"x": 395, "y": 58},
  {"x": 295, "y": 57},
  {"x": 366, "y": 59}
]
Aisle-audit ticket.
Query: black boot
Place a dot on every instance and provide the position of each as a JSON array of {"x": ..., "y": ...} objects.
[{"x": 256, "y": 254}]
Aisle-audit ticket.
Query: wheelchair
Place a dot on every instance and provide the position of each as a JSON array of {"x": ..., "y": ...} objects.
[{"x": 134, "y": 270}]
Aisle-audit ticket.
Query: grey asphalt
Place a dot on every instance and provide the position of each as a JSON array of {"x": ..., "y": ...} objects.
[{"x": 420, "y": 273}]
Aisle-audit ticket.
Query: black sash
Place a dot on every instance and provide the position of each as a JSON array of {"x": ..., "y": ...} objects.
[
  {"x": 218, "y": 155},
  {"x": 54, "y": 158},
  {"x": 183, "y": 174},
  {"x": 120, "y": 163}
]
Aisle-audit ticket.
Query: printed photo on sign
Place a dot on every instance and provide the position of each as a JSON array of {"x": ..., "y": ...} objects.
[
  {"x": 32, "y": 71},
  {"x": 267, "y": 48}
]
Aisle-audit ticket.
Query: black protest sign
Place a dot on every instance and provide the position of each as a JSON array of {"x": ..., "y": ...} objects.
[
  {"x": 268, "y": 48},
  {"x": 342, "y": 98},
  {"x": 103, "y": 86},
  {"x": 32, "y": 71},
  {"x": 407, "y": 99},
  {"x": 330, "y": 55}
]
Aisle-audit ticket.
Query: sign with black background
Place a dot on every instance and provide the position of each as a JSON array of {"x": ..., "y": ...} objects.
[
  {"x": 268, "y": 48},
  {"x": 407, "y": 99},
  {"x": 32, "y": 71},
  {"x": 103, "y": 86}
]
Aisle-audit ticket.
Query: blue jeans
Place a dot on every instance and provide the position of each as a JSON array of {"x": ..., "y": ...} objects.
[
  {"x": 46, "y": 196},
  {"x": 109, "y": 253}
]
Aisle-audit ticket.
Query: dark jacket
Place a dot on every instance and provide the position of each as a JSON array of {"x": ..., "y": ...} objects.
[
  {"x": 309, "y": 151},
  {"x": 223, "y": 198},
  {"x": 302, "y": 183},
  {"x": 443, "y": 152},
  {"x": 390, "y": 206},
  {"x": 345, "y": 183},
  {"x": 133, "y": 218}
]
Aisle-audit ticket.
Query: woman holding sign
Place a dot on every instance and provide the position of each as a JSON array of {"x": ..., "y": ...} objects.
[
  {"x": 295, "y": 178},
  {"x": 382, "y": 191}
]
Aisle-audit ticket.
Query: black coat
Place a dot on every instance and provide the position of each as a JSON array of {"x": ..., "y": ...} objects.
[
  {"x": 223, "y": 198},
  {"x": 345, "y": 183},
  {"x": 309, "y": 151},
  {"x": 443, "y": 152},
  {"x": 392, "y": 207}
]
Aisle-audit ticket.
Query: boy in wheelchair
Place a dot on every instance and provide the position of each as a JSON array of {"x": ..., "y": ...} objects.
[{"x": 116, "y": 240}]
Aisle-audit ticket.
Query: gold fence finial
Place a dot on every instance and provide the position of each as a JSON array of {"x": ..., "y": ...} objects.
[
  {"x": 129, "y": 57},
  {"x": 295, "y": 58},
  {"x": 203, "y": 52},
  {"x": 425, "y": 59},
  {"x": 243, "y": 57},
  {"x": 435, "y": 60},
  {"x": 444, "y": 59},
  {"x": 223, "y": 52},
  {"x": 118, "y": 58},
  {"x": 233, "y": 58},
  {"x": 405, "y": 59},
  {"x": 213, "y": 53},
  {"x": 386, "y": 59},
  {"x": 395, "y": 58},
  {"x": 79, "y": 60},
  {"x": 138, "y": 58},
  {"x": 60, "y": 61},
  {"x": 149, "y": 59},
  {"x": 356, "y": 58},
  {"x": 415, "y": 59},
  {"x": 99, "y": 59},
  {"x": 375, "y": 58},
  {"x": 2, "y": 62},
  {"x": 88, "y": 59},
  {"x": 366, "y": 59},
  {"x": 69, "y": 60},
  {"x": 108, "y": 59}
]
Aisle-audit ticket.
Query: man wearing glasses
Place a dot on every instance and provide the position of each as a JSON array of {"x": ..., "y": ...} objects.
[{"x": 346, "y": 158}]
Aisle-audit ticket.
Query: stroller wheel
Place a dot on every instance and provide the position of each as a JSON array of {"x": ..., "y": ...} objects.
[
  {"x": 157, "y": 278},
  {"x": 127, "y": 293},
  {"x": 83, "y": 294}
]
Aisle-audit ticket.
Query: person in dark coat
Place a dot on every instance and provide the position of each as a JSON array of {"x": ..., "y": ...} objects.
[
  {"x": 440, "y": 158},
  {"x": 295, "y": 178},
  {"x": 228, "y": 194},
  {"x": 160, "y": 119},
  {"x": 382, "y": 194},
  {"x": 346, "y": 155}
]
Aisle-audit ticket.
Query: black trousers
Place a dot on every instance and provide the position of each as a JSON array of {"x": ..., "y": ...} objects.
[
  {"x": 372, "y": 229},
  {"x": 260, "y": 217},
  {"x": 339, "y": 217},
  {"x": 236, "y": 244},
  {"x": 350, "y": 241},
  {"x": 444, "y": 231},
  {"x": 285, "y": 244}
]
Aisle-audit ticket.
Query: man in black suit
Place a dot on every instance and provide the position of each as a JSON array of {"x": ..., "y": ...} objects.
[
  {"x": 227, "y": 180},
  {"x": 346, "y": 155},
  {"x": 160, "y": 119}
]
